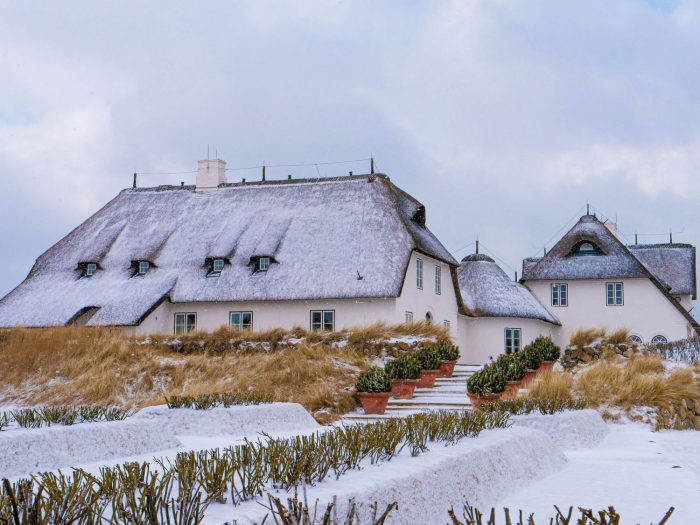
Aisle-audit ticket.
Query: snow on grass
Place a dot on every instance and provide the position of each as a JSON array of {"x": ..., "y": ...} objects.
[
  {"x": 569, "y": 430},
  {"x": 640, "y": 472},
  {"x": 479, "y": 469}
]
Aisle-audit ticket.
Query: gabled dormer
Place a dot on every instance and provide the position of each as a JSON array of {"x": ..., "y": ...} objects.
[
  {"x": 141, "y": 267},
  {"x": 215, "y": 265},
  {"x": 262, "y": 263},
  {"x": 87, "y": 269}
]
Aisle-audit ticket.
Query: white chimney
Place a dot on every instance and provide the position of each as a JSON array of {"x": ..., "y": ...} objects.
[
  {"x": 210, "y": 173},
  {"x": 612, "y": 226}
]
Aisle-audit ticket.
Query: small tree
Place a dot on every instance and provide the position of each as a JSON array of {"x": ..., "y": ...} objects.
[
  {"x": 403, "y": 367},
  {"x": 374, "y": 381}
]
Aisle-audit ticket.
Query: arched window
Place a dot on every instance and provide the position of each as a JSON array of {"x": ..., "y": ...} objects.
[
  {"x": 586, "y": 248},
  {"x": 428, "y": 317},
  {"x": 636, "y": 339},
  {"x": 659, "y": 339}
]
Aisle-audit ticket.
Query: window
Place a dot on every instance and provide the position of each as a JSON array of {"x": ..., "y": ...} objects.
[
  {"x": 263, "y": 264},
  {"x": 586, "y": 248},
  {"x": 446, "y": 324},
  {"x": 90, "y": 269},
  {"x": 560, "y": 294},
  {"x": 322, "y": 320},
  {"x": 512, "y": 340},
  {"x": 615, "y": 296},
  {"x": 144, "y": 266},
  {"x": 428, "y": 317},
  {"x": 419, "y": 274},
  {"x": 185, "y": 322},
  {"x": 438, "y": 280},
  {"x": 659, "y": 339},
  {"x": 636, "y": 339},
  {"x": 409, "y": 317},
  {"x": 217, "y": 265},
  {"x": 241, "y": 320}
]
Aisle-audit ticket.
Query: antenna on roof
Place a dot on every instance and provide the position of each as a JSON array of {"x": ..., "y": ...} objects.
[
  {"x": 207, "y": 151},
  {"x": 263, "y": 173},
  {"x": 545, "y": 250},
  {"x": 371, "y": 166},
  {"x": 670, "y": 237},
  {"x": 516, "y": 276},
  {"x": 635, "y": 239},
  {"x": 477, "y": 246},
  {"x": 134, "y": 180},
  {"x": 588, "y": 209}
]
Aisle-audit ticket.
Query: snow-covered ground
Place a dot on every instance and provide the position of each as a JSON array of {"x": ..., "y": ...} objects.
[{"x": 640, "y": 472}]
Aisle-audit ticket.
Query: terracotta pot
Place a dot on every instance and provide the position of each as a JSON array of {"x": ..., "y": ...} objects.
[
  {"x": 403, "y": 388},
  {"x": 511, "y": 391},
  {"x": 374, "y": 403},
  {"x": 477, "y": 401},
  {"x": 530, "y": 376},
  {"x": 427, "y": 378},
  {"x": 545, "y": 367},
  {"x": 447, "y": 368}
]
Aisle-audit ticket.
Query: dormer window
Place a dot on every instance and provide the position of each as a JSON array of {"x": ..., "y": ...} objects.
[
  {"x": 217, "y": 265},
  {"x": 89, "y": 269},
  {"x": 263, "y": 264},
  {"x": 143, "y": 267},
  {"x": 586, "y": 248}
]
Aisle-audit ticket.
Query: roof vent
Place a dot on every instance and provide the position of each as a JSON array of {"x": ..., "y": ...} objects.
[{"x": 210, "y": 173}]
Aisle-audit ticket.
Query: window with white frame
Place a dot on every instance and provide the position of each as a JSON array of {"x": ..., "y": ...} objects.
[
  {"x": 185, "y": 322},
  {"x": 446, "y": 324},
  {"x": 90, "y": 269},
  {"x": 217, "y": 266},
  {"x": 322, "y": 320},
  {"x": 419, "y": 274},
  {"x": 143, "y": 267},
  {"x": 636, "y": 339},
  {"x": 560, "y": 294},
  {"x": 409, "y": 316},
  {"x": 659, "y": 339},
  {"x": 615, "y": 294},
  {"x": 513, "y": 340},
  {"x": 263, "y": 264},
  {"x": 438, "y": 280},
  {"x": 240, "y": 320}
]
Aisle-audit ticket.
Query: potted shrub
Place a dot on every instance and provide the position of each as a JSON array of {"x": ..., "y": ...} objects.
[
  {"x": 514, "y": 371},
  {"x": 373, "y": 387},
  {"x": 429, "y": 360},
  {"x": 531, "y": 358},
  {"x": 486, "y": 385},
  {"x": 550, "y": 353},
  {"x": 404, "y": 372},
  {"x": 449, "y": 354}
]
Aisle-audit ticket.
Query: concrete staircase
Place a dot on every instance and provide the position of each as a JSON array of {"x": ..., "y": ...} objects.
[{"x": 449, "y": 393}]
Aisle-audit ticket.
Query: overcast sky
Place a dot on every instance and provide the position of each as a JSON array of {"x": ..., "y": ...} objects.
[{"x": 503, "y": 117}]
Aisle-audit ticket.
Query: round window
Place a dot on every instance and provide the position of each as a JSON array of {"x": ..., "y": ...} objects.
[
  {"x": 636, "y": 339},
  {"x": 659, "y": 339}
]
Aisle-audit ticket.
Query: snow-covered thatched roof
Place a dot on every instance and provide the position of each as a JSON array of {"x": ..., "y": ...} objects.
[
  {"x": 488, "y": 292},
  {"x": 670, "y": 267},
  {"x": 328, "y": 238}
]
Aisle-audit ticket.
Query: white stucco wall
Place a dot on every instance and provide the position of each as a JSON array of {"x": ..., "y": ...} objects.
[
  {"x": 646, "y": 311},
  {"x": 272, "y": 314},
  {"x": 442, "y": 307},
  {"x": 481, "y": 338}
]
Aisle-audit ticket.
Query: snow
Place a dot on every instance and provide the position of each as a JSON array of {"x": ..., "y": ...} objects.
[
  {"x": 570, "y": 430},
  {"x": 173, "y": 229},
  {"x": 153, "y": 429},
  {"x": 639, "y": 472},
  {"x": 478, "y": 469},
  {"x": 233, "y": 421}
]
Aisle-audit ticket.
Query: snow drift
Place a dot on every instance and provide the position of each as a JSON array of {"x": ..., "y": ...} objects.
[{"x": 570, "y": 430}]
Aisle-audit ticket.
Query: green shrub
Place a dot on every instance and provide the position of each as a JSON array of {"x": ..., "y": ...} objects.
[
  {"x": 488, "y": 380},
  {"x": 403, "y": 367},
  {"x": 428, "y": 358},
  {"x": 374, "y": 380},
  {"x": 550, "y": 351},
  {"x": 447, "y": 350},
  {"x": 531, "y": 356},
  {"x": 512, "y": 367}
]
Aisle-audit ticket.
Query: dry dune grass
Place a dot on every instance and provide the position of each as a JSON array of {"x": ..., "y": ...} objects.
[
  {"x": 552, "y": 385},
  {"x": 585, "y": 336},
  {"x": 619, "y": 336},
  {"x": 75, "y": 365}
]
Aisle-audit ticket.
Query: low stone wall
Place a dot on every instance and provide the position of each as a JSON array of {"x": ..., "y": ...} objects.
[{"x": 569, "y": 430}]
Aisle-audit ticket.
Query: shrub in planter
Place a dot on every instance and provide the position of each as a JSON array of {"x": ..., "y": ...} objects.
[
  {"x": 373, "y": 387},
  {"x": 531, "y": 356},
  {"x": 486, "y": 385},
  {"x": 404, "y": 371},
  {"x": 514, "y": 371},
  {"x": 429, "y": 360},
  {"x": 550, "y": 352},
  {"x": 449, "y": 354}
]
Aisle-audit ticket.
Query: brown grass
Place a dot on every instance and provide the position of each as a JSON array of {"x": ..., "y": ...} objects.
[
  {"x": 77, "y": 365},
  {"x": 585, "y": 336},
  {"x": 619, "y": 336},
  {"x": 552, "y": 385}
]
